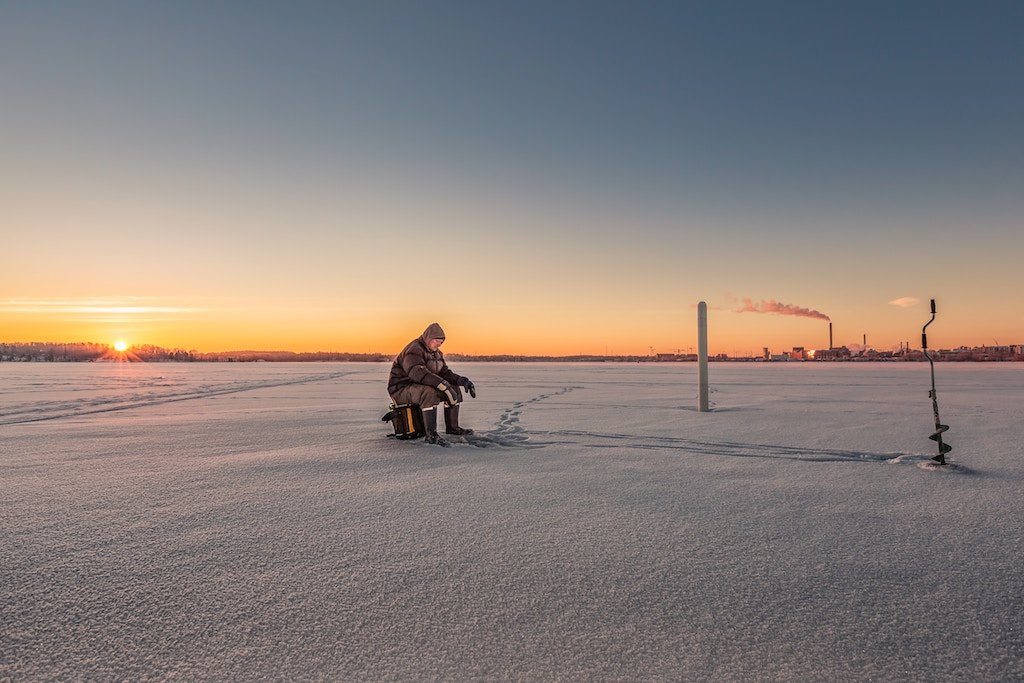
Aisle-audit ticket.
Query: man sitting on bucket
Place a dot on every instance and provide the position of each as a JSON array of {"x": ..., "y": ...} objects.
[{"x": 420, "y": 376}]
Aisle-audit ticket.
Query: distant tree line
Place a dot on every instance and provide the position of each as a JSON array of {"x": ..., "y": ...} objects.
[
  {"x": 290, "y": 356},
  {"x": 78, "y": 352},
  {"x": 52, "y": 352},
  {"x": 84, "y": 352},
  {"x": 516, "y": 358}
]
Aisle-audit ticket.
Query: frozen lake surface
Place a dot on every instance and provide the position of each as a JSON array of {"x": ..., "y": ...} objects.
[{"x": 223, "y": 521}]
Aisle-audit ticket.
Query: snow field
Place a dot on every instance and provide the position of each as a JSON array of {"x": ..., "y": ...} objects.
[{"x": 252, "y": 521}]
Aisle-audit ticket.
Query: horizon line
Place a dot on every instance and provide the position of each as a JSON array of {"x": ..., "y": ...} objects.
[{"x": 467, "y": 355}]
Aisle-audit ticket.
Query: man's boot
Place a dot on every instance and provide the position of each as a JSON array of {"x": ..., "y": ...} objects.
[
  {"x": 451, "y": 422},
  {"x": 430, "y": 426}
]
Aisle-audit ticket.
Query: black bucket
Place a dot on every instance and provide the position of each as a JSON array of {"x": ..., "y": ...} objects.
[{"x": 407, "y": 419}]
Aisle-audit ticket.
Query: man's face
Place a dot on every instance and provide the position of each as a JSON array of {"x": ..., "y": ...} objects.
[{"x": 434, "y": 344}]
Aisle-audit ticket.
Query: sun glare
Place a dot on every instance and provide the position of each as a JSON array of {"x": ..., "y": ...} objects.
[{"x": 120, "y": 346}]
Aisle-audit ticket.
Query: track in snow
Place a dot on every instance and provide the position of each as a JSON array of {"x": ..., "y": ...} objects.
[{"x": 57, "y": 410}]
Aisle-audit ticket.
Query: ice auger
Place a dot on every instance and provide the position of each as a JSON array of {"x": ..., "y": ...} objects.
[{"x": 939, "y": 427}]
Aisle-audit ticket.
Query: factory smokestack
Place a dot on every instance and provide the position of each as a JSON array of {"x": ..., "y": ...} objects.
[{"x": 830, "y": 336}]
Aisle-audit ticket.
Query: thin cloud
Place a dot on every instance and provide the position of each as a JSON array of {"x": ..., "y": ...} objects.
[
  {"x": 905, "y": 302},
  {"x": 128, "y": 306}
]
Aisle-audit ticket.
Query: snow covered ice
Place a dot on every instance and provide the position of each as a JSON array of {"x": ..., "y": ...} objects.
[{"x": 240, "y": 521}]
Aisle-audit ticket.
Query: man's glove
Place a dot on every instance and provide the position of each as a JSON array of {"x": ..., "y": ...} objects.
[
  {"x": 450, "y": 392},
  {"x": 468, "y": 386}
]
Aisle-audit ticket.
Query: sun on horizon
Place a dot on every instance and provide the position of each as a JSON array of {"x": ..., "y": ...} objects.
[{"x": 120, "y": 346}]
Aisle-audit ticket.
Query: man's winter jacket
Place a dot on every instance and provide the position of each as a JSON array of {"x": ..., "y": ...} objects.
[{"x": 417, "y": 364}]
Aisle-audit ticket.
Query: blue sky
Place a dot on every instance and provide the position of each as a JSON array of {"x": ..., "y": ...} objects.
[{"x": 764, "y": 136}]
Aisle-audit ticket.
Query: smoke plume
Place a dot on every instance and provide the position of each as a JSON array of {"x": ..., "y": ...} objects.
[{"x": 780, "y": 309}]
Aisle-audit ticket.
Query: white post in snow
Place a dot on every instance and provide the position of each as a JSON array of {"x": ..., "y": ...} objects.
[{"x": 702, "y": 357}]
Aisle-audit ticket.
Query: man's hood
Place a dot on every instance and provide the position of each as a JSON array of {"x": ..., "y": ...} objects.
[{"x": 433, "y": 331}]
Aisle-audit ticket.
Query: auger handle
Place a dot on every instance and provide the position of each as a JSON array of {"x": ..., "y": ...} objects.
[{"x": 924, "y": 335}]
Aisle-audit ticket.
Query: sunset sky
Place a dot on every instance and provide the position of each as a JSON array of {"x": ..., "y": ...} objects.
[{"x": 538, "y": 177}]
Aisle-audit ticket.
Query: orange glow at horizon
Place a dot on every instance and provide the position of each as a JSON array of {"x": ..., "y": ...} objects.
[{"x": 553, "y": 330}]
